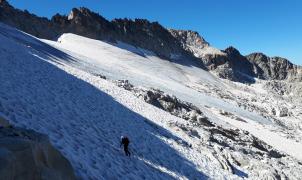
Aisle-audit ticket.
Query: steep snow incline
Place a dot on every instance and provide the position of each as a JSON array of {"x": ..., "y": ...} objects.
[
  {"x": 142, "y": 68},
  {"x": 184, "y": 80},
  {"x": 84, "y": 117}
]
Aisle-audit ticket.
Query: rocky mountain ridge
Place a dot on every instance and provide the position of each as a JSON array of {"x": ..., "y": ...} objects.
[
  {"x": 139, "y": 32},
  {"x": 274, "y": 67},
  {"x": 166, "y": 43}
]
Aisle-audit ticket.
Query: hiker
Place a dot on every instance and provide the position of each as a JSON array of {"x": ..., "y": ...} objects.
[{"x": 125, "y": 141}]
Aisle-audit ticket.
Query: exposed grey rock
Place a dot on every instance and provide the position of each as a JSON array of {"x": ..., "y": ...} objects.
[
  {"x": 101, "y": 76},
  {"x": 234, "y": 148},
  {"x": 275, "y": 68},
  {"x": 285, "y": 88},
  {"x": 238, "y": 62},
  {"x": 230, "y": 64},
  {"x": 189, "y": 39},
  {"x": 25, "y": 154},
  {"x": 148, "y": 35},
  {"x": 168, "y": 103},
  {"x": 243, "y": 68},
  {"x": 215, "y": 60},
  {"x": 282, "y": 112},
  {"x": 192, "y": 42},
  {"x": 83, "y": 22},
  {"x": 225, "y": 71},
  {"x": 125, "y": 84}
]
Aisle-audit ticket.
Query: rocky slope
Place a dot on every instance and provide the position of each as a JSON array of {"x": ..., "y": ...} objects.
[
  {"x": 274, "y": 68},
  {"x": 231, "y": 64},
  {"x": 170, "y": 44},
  {"x": 230, "y": 147}
]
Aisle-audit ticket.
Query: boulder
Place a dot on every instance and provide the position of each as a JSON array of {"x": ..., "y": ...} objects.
[
  {"x": 282, "y": 112},
  {"x": 25, "y": 154}
]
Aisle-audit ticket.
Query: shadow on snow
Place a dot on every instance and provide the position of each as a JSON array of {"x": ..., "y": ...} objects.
[{"x": 82, "y": 121}]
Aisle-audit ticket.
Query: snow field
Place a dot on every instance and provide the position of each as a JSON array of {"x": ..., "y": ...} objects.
[{"x": 84, "y": 116}]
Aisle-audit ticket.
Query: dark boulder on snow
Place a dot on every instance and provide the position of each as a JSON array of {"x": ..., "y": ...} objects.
[{"x": 25, "y": 154}]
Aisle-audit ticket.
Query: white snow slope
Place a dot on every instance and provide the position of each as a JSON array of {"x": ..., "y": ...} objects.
[{"x": 51, "y": 87}]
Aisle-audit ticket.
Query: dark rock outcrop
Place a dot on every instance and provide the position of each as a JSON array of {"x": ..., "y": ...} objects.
[
  {"x": 192, "y": 42},
  {"x": 168, "y": 103},
  {"x": 240, "y": 68},
  {"x": 25, "y": 154},
  {"x": 189, "y": 39},
  {"x": 147, "y": 35},
  {"x": 83, "y": 22},
  {"x": 238, "y": 62},
  {"x": 244, "y": 68},
  {"x": 276, "y": 68}
]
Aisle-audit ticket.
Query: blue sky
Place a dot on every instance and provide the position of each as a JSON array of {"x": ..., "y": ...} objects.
[{"x": 270, "y": 26}]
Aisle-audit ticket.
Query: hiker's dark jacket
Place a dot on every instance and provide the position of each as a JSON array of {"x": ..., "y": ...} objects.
[{"x": 125, "y": 141}]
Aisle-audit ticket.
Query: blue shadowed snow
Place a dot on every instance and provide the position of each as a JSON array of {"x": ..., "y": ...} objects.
[
  {"x": 240, "y": 173},
  {"x": 82, "y": 121}
]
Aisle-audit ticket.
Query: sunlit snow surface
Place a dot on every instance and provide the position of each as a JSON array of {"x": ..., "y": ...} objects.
[{"x": 51, "y": 87}]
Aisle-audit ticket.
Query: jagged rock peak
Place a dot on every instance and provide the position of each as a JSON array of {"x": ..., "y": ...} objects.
[
  {"x": 84, "y": 12},
  {"x": 258, "y": 56},
  {"x": 232, "y": 51},
  {"x": 281, "y": 59},
  {"x": 138, "y": 22},
  {"x": 190, "y": 38},
  {"x": 275, "y": 68},
  {"x": 74, "y": 12},
  {"x": 79, "y": 11}
]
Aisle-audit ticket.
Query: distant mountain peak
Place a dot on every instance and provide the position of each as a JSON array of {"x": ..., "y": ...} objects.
[
  {"x": 258, "y": 56},
  {"x": 232, "y": 51},
  {"x": 189, "y": 37},
  {"x": 82, "y": 11}
]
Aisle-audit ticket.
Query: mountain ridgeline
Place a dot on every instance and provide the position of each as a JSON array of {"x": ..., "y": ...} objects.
[{"x": 167, "y": 43}]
